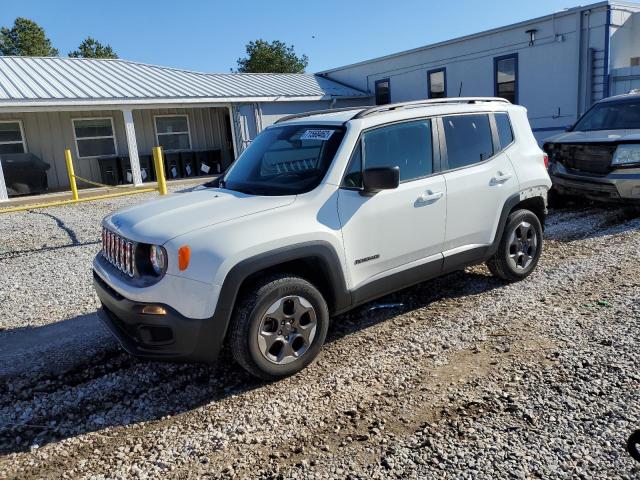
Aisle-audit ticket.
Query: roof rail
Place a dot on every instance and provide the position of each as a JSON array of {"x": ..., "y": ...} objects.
[
  {"x": 316, "y": 112},
  {"x": 420, "y": 103}
]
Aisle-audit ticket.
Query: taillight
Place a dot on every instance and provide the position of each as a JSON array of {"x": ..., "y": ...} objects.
[{"x": 545, "y": 159}]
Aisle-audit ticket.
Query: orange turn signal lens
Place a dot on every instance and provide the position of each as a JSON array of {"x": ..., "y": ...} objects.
[{"x": 184, "y": 255}]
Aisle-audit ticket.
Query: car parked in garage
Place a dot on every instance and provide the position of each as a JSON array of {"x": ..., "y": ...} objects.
[
  {"x": 323, "y": 212},
  {"x": 599, "y": 157}
]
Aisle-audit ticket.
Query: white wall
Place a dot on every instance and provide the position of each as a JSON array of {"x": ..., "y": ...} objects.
[
  {"x": 625, "y": 37},
  {"x": 554, "y": 83}
]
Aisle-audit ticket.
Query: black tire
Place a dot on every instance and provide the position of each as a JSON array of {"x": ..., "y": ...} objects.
[
  {"x": 247, "y": 323},
  {"x": 633, "y": 445},
  {"x": 502, "y": 264}
]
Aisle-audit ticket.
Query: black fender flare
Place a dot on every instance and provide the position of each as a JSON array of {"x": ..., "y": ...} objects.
[
  {"x": 322, "y": 251},
  {"x": 511, "y": 202}
]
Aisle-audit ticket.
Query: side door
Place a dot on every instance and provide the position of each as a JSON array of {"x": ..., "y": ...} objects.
[
  {"x": 391, "y": 229},
  {"x": 480, "y": 178}
]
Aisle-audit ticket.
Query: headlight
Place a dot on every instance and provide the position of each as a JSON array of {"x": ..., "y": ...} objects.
[
  {"x": 626, "y": 154},
  {"x": 158, "y": 258}
]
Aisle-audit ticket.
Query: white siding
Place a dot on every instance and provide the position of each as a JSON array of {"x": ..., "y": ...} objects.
[
  {"x": 48, "y": 134},
  {"x": 559, "y": 76}
]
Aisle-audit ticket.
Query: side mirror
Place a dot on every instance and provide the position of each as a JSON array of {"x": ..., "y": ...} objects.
[{"x": 380, "y": 178}]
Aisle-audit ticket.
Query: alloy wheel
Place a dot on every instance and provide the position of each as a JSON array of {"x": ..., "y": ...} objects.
[
  {"x": 523, "y": 245},
  {"x": 287, "y": 330}
]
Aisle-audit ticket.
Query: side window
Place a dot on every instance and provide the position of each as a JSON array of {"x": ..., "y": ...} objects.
[
  {"x": 468, "y": 139},
  {"x": 505, "y": 133},
  {"x": 353, "y": 177},
  {"x": 406, "y": 145}
]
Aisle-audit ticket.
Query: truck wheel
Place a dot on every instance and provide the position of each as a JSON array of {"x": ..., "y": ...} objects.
[
  {"x": 520, "y": 247},
  {"x": 278, "y": 327}
]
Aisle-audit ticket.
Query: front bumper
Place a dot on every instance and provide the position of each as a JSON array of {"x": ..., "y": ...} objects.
[
  {"x": 618, "y": 186},
  {"x": 161, "y": 337}
]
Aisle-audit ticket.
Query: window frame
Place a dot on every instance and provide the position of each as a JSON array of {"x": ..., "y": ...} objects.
[
  {"x": 435, "y": 148},
  {"x": 112, "y": 137},
  {"x": 22, "y": 137},
  {"x": 494, "y": 141},
  {"x": 436, "y": 70},
  {"x": 378, "y": 82},
  {"x": 188, "y": 132},
  {"x": 516, "y": 86}
]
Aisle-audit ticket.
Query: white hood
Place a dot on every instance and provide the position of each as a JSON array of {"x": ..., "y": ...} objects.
[{"x": 160, "y": 220}]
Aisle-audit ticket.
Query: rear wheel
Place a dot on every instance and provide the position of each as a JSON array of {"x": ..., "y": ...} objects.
[
  {"x": 279, "y": 327},
  {"x": 520, "y": 247}
]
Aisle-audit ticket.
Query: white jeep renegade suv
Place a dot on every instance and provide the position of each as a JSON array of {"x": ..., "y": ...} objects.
[{"x": 323, "y": 212}]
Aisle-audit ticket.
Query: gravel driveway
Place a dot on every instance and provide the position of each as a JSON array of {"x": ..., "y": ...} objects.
[{"x": 466, "y": 378}]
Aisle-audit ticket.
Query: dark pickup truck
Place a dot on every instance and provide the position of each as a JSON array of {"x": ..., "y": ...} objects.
[{"x": 599, "y": 157}]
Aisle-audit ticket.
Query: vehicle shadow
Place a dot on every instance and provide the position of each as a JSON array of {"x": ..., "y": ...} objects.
[{"x": 56, "y": 389}]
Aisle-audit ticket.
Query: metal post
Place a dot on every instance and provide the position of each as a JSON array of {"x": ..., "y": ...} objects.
[
  {"x": 4, "y": 197},
  {"x": 159, "y": 164},
  {"x": 132, "y": 146},
  {"x": 72, "y": 175}
]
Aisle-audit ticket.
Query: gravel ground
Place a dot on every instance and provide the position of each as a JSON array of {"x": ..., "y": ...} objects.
[{"x": 468, "y": 378}]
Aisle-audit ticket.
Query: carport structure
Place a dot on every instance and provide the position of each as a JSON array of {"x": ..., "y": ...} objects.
[{"x": 103, "y": 109}]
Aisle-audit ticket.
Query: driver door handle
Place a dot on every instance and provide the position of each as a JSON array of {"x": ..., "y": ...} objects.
[
  {"x": 500, "y": 178},
  {"x": 430, "y": 196}
]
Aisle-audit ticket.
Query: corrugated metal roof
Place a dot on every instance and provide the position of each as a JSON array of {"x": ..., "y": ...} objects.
[{"x": 36, "y": 80}]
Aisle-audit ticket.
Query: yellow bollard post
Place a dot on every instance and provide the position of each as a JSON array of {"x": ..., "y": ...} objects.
[
  {"x": 72, "y": 175},
  {"x": 159, "y": 164}
]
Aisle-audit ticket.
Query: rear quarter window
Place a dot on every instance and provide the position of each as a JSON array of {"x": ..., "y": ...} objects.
[{"x": 505, "y": 132}]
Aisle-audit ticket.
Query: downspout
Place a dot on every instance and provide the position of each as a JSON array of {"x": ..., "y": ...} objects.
[
  {"x": 607, "y": 68},
  {"x": 588, "y": 93},
  {"x": 579, "y": 66}
]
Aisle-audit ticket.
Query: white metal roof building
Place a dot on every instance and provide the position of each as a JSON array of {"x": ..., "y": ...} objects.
[
  {"x": 104, "y": 109},
  {"x": 56, "y": 81},
  {"x": 556, "y": 65}
]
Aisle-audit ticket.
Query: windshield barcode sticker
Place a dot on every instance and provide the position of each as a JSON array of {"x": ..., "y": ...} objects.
[{"x": 317, "y": 135}]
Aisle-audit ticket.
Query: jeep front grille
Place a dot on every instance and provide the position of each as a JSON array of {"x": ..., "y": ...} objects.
[{"x": 118, "y": 251}]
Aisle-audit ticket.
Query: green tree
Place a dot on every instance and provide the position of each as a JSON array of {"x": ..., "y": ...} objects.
[
  {"x": 91, "y": 48},
  {"x": 25, "y": 38},
  {"x": 274, "y": 57}
]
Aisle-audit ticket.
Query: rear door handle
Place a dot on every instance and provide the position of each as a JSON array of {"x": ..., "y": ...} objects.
[
  {"x": 430, "y": 196},
  {"x": 500, "y": 178}
]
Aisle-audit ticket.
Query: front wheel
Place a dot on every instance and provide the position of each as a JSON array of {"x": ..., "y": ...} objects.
[
  {"x": 520, "y": 247},
  {"x": 279, "y": 327}
]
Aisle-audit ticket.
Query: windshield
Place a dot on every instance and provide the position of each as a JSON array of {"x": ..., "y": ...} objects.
[
  {"x": 620, "y": 115},
  {"x": 285, "y": 160}
]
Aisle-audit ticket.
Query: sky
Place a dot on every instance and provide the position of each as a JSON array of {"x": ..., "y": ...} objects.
[{"x": 209, "y": 36}]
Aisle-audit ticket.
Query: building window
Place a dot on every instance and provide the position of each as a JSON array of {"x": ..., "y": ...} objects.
[
  {"x": 506, "y": 77},
  {"x": 437, "y": 80},
  {"x": 95, "y": 137},
  {"x": 12, "y": 137},
  {"x": 383, "y": 92},
  {"x": 172, "y": 132}
]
